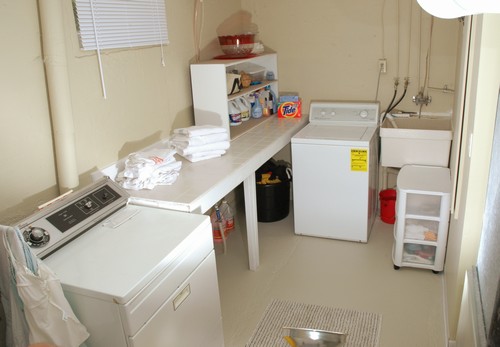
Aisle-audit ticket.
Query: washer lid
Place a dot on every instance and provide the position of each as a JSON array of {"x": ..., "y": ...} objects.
[
  {"x": 119, "y": 257},
  {"x": 335, "y": 135}
]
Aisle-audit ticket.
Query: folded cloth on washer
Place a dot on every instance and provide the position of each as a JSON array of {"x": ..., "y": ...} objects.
[
  {"x": 180, "y": 140},
  {"x": 198, "y": 130},
  {"x": 204, "y": 155},
  {"x": 145, "y": 170},
  {"x": 187, "y": 150}
]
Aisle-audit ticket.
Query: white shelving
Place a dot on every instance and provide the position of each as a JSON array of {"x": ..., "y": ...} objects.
[
  {"x": 422, "y": 216},
  {"x": 210, "y": 99}
]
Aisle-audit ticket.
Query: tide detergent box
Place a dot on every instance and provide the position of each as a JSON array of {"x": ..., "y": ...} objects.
[{"x": 290, "y": 109}]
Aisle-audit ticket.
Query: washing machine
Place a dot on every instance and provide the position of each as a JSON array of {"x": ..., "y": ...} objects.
[{"x": 335, "y": 170}]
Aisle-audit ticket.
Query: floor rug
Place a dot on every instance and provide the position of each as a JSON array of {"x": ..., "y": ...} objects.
[{"x": 362, "y": 328}]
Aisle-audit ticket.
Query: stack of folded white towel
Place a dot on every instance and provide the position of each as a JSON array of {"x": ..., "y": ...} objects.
[
  {"x": 200, "y": 142},
  {"x": 145, "y": 170}
]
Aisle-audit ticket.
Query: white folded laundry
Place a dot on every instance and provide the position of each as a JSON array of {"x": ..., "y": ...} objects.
[
  {"x": 160, "y": 176},
  {"x": 198, "y": 155},
  {"x": 197, "y": 130},
  {"x": 184, "y": 140},
  {"x": 193, "y": 158},
  {"x": 145, "y": 170},
  {"x": 203, "y": 148},
  {"x": 415, "y": 232}
]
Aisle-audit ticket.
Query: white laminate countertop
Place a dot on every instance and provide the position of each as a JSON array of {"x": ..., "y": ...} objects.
[{"x": 202, "y": 184}]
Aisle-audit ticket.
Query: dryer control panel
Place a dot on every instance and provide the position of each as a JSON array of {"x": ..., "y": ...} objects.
[
  {"x": 65, "y": 219},
  {"x": 340, "y": 113}
]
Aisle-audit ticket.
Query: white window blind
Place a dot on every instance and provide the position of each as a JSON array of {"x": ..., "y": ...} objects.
[{"x": 105, "y": 24}]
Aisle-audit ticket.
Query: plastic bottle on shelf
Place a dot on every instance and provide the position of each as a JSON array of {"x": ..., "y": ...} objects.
[
  {"x": 218, "y": 223},
  {"x": 273, "y": 101},
  {"x": 244, "y": 108},
  {"x": 257, "y": 108},
  {"x": 265, "y": 109},
  {"x": 227, "y": 214},
  {"x": 234, "y": 113}
]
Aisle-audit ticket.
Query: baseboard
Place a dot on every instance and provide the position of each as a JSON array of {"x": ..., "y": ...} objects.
[{"x": 444, "y": 297}]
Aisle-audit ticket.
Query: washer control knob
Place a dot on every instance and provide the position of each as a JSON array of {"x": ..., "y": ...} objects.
[
  {"x": 36, "y": 237},
  {"x": 363, "y": 114},
  {"x": 88, "y": 205}
]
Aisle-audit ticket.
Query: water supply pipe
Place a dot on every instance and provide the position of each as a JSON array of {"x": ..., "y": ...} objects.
[{"x": 61, "y": 112}]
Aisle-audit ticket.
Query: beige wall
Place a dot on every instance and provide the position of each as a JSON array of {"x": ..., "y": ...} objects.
[
  {"x": 25, "y": 141},
  {"x": 480, "y": 113},
  {"x": 145, "y": 100},
  {"x": 330, "y": 49},
  {"x": 327, "y": 50}
]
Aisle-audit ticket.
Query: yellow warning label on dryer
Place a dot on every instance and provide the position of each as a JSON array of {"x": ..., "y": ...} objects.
[{"x": 359, "y": 159}]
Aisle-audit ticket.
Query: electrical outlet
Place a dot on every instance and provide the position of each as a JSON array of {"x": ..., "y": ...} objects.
[{"x": 382, "y": 65}]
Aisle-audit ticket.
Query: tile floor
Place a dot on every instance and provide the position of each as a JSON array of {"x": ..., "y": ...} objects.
[{"x": 332, "y": 273}]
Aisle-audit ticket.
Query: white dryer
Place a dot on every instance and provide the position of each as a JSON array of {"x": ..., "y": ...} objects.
[
  {"x": 335, "y": 171},
  {"x": 135, "y": 276}
]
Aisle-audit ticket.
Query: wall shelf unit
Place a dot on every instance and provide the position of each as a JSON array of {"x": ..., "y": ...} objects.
[{"x": 209, "y": 88}]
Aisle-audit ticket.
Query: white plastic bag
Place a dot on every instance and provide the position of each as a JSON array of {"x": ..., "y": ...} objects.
[{"x": 48, "y": 314}]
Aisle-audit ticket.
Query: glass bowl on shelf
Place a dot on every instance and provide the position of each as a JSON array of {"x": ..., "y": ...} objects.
[{"x": 237, "y": 46}]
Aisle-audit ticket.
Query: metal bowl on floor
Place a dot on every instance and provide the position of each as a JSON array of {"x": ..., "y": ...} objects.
[{"x": 301, "y": 337}]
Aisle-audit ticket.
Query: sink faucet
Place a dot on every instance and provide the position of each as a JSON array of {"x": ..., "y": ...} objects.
[{"x": 420, "y": 99}]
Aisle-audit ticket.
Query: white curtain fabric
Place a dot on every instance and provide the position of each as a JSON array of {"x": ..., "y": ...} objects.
[{"x": 38, "y": 307}]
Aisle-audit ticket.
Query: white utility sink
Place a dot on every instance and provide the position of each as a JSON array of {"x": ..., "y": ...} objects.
[{"x": 413, "y": 140}]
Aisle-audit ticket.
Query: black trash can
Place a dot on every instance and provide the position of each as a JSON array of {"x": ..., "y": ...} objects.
[{"x": 273, "y": 199}]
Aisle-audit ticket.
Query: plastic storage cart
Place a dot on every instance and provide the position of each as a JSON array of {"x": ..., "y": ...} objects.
[{"x": 422, "y": 216}]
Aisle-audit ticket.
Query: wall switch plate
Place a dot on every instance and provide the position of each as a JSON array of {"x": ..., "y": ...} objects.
[{"x": 382, "y": 65}]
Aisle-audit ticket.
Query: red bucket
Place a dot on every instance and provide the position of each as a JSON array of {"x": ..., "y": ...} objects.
[{"x": 388, "y": 205}]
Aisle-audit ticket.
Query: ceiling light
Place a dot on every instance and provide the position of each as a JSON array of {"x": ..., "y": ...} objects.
[{"x": 459, "y": 8}]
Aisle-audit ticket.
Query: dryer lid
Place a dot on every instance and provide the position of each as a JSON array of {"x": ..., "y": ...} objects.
[{"x": 342, "y": 113}]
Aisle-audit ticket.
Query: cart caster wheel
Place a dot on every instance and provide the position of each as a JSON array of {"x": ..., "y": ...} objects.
[
  {"x": 396, "y": 267},
  {"x": 435, "y": 272}
]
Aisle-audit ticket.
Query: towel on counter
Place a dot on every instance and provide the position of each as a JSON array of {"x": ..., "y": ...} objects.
[
  {"x": 185, "y": 140},
  {"x": 145, "y": 170},
  {"x": 187, "y": 150},
  {"x": 204, "y": 155},
  {"x": 202, "y": 142},
  {"x": 200, "y": 130}
]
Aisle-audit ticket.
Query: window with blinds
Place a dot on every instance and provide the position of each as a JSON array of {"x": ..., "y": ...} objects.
[{"x": 107, "y": 24}]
